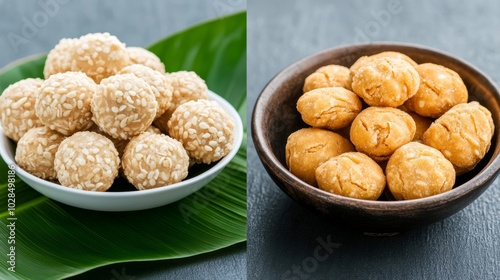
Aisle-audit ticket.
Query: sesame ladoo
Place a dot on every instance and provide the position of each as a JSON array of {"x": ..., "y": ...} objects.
[
  {"x": 63, "y": 103},
  {"x": 87, "y": 161},
  {"x": 60, "y": 58},
  {"x": 187, "y": 86},
  {"x": 99, "y": 55},
  {"x": 151, "y": 161},
  {"x": 17, "y": 108},
  {"x": 120, "y": 144},
  {"x": 124, "y": 106},
  {"x": 36, "y": 150},
  {"x": 104, "y": 98},
  {"x": 161, "y": 87},
  {"x": 142, "y": 56},
  {"x": 204, "y": 128}
]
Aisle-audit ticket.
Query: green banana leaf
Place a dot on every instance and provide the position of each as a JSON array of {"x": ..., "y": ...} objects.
[{"x": 53, "y": 240}]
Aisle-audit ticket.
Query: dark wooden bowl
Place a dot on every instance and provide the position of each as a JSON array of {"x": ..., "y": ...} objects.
[{"x": 275, "y": 117}]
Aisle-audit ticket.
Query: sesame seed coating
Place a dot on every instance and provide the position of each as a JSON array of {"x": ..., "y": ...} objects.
[
  {"x": 60, "y": 58},
  {"x": 36, "y": 150},
  {"x": 87, "y": 161},
  {"x": 153, "y": 129},
  {"x": 123, "y": 106},
  {"x": 142, "y": 56},
  {"x": 99, "y": 55},
  {"x": 204, "y": 128},
  {"x": 161, "y": 87},
  {"x": 120, "y": 144},
  {"x": 187, "y": 86},
  {"x": 63, "y": 103},
  {"x": 17, "y": 108},
  {"x": 152, "y": 161}
]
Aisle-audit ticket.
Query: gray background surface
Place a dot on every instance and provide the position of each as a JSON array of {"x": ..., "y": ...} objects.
[
  {"x": 282, "y": 234},
  {"x": 137, "y": 23}
]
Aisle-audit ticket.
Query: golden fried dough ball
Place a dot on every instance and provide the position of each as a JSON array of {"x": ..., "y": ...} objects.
[
  {"x": 386, "y": 81},
  {"x": 422, "y": 124},
  {"x": 307, "y": 148},
  {"x": 416, "y": 170},
  {"x": 463, "y": 135},
  {"x": 440, "y": 89},
  {"x": 366, "y": 59},
  {"x": 329, "y": 76},
  {"x": 353, "y": 175},
  {"x": 379, "y": 131},
  {"x": 330, "y": 108}
]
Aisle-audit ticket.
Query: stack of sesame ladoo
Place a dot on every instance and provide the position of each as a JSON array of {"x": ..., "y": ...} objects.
[
  {"x": 387, "y": 112},
  {"x": 94, "y": 113}
]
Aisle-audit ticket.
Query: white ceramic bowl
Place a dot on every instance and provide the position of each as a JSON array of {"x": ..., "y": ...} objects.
[{"x": 127, "y": 200}]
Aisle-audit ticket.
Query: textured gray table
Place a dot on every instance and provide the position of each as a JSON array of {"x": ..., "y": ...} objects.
[
  {"x": 283, "y": 236},
  {"x": 137, "y": 23}
]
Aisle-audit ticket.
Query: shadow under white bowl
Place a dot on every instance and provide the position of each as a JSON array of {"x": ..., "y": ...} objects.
[{"x": 128, "y": 200}]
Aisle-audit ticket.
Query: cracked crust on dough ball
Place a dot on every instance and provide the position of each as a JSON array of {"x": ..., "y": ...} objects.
[
  {"x": 353, "y": 175},
  {"x": 386, "y": 81},
  {"x": 379, "y": 131},
  {"x": 463, "y": 135},
  {"x": 367, "y": 59},
  {"x": 329, "y": 76},
  {"x": 440, "y": 89},
  {"x": 330, "y": 108},
  {"x": 307, "y": 148},
  {"x": 416, "y": 171}
]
